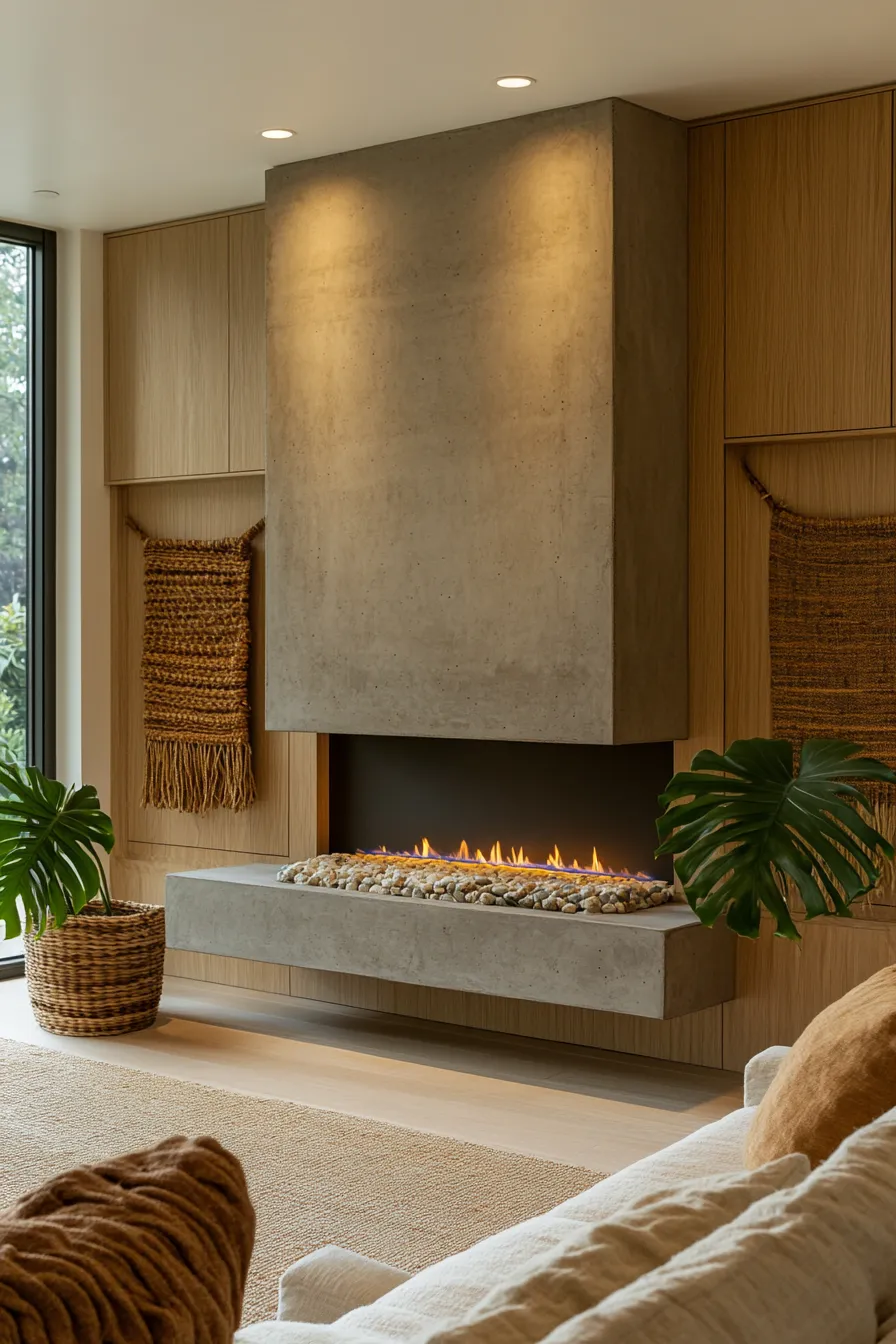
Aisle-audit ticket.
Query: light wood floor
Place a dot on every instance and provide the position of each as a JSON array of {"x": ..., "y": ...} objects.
[{"x": 572, "y": 1104}]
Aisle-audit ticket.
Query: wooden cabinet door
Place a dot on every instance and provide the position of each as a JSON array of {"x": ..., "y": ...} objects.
[
  {"x": 247, "y": 341},
  {"x": 809, "y": 268},
  {"x": 167, "y": 351}
]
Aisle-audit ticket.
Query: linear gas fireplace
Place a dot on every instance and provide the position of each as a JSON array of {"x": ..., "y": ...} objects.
[
  {"x": 601, "y": 803},
  {"x": 548, "y": 893},
  {"x": 596, "y": 806}
]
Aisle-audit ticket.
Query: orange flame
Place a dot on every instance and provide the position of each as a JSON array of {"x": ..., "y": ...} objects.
[{"x": 517, "y": 858}]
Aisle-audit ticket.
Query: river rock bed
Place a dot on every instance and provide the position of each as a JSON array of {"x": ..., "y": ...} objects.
[{"x": 466, "y": 883}]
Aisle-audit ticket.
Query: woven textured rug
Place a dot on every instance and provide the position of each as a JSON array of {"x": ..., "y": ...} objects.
[
  {"x": 315, "y": 1176},
  {"x": 195, "y": 667}
]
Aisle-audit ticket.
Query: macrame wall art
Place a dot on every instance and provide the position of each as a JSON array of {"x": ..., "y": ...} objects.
[
  {"x": 832, "y": 635},
  {"x": 197, "y": 752}
]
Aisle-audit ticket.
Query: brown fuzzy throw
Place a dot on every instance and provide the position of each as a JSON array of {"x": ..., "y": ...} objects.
[
  {"x": 152, "y": 1248},
  {"x": 198, "y": 753}
]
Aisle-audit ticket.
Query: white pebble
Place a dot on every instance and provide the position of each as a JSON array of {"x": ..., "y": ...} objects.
[{"x": 478, "y": 883}]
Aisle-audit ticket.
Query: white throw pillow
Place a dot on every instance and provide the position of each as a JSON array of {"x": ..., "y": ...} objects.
[
  {"x": 811, "y": 1265},
  {"x": 596, "y": 1261},
  {"x": 330, "y": 1281}
]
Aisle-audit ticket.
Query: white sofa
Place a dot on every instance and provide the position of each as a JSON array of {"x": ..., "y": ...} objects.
[{"x": 390, "y": 1306}]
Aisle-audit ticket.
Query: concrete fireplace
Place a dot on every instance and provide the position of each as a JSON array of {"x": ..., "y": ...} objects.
[
  {"x": 477, "y": 535},
  {"x": 477, "y": 461}
]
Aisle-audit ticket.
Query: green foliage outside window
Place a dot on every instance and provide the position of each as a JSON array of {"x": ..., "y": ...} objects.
[
  {"x": 13, "y": 497},
  {"x": 13, "y": 681}
]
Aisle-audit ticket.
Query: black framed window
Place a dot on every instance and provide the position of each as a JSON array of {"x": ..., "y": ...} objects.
[{"x": 27, "y": 505}]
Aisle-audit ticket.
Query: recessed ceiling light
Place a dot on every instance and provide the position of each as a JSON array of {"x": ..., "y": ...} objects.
[
  {"x": 47, "y": 192},
  {"x": 515, "y": 81},
  {"x": 278, "y": 133}
]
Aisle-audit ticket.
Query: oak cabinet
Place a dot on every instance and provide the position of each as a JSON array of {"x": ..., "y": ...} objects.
[
  {"x": 167, "y": 351},
  {"x": 247, "y": 341},
  {"x": 185, "y": 349},
  {"x": 809, "y": 268}
]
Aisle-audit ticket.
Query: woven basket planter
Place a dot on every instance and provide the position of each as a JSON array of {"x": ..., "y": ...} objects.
[{"x": 99, "y": 975}]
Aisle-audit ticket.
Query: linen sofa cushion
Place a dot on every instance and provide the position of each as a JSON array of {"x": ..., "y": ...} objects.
[
  {"x": 447, "y": 1291},
  {"x": 840, "y": 1075},
  {"x": 443, "y": 1294},
  {"x": 151, "y": 1248},
  {"x": 815, "y": 1264},
  {"x": 599, "y": 1260}
]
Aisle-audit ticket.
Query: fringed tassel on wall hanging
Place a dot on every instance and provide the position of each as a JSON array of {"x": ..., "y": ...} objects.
[
  {"x": 832, "y": 636},
  {"x": 195, "y": 667}
]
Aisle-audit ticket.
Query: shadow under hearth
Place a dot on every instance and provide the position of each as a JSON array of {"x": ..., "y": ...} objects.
[{"x": 584, "y": 1070}]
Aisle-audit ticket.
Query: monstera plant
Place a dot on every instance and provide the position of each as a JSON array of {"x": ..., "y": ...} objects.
[
  {"x": 49, "y": 836},
  {"x": 747, "y": 831},
  {"x": 94, "y": 966}
]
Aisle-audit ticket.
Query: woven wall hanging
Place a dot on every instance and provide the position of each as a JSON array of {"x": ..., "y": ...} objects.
[
  {"x": 832, "y": 635},
  {"x": 195, "y": 668}
]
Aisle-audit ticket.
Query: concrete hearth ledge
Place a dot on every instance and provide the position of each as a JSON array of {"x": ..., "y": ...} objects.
[{"x": 657, "y": 964}]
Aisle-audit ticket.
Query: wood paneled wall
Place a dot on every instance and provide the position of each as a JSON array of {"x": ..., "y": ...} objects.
[
  {"x": 791, "y": 365},
  {"x": 185, "y": 429},
  {"x": 145, "y": 272},
  {"x": 792, "y": 369},
  {"x": 290, "y": 768}
]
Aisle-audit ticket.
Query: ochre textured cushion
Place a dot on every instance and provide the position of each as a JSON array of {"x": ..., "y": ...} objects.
[
  {"x": 599, "y": 1260},
  {"x": 815, "y": 1264},
  {"x": 840, "y": 1075},
  {"x": 152, "y": 1248}
]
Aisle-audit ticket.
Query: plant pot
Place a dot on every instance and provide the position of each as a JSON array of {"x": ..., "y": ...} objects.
[{"x": 99, "y": 975}]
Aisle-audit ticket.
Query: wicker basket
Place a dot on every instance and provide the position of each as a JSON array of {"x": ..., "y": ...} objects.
[{"x": 99, "y": 975}]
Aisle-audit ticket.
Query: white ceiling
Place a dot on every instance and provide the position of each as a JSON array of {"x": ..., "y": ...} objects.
[{"x": 141, "y": 110}]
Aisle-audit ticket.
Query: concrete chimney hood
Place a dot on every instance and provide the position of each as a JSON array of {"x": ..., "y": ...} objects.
[{"x": 477, "y": 461}]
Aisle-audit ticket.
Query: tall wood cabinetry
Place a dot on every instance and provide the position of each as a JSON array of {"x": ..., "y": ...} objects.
[
  {"x": 185, "y": 401},
  {"x": 185, "y": 349},
  {"x": 792, "y": 369},
  {"x": 809, "y": 248},
  {"x": 246, "y": 272}
]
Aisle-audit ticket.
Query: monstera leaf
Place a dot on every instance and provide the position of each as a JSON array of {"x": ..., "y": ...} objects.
[
  {"x": 48, "y": 857},
  {"x": 742, "y": 824}
]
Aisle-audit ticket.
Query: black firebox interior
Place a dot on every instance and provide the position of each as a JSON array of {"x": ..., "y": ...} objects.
[{"x": 392, "y": 791}]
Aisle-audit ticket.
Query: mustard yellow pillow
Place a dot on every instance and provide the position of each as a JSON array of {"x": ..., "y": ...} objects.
[{"x": 840, "y": 1075}]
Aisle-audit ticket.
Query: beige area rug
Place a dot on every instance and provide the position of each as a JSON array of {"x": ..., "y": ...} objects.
[{"x": 316, "y": 1176}]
